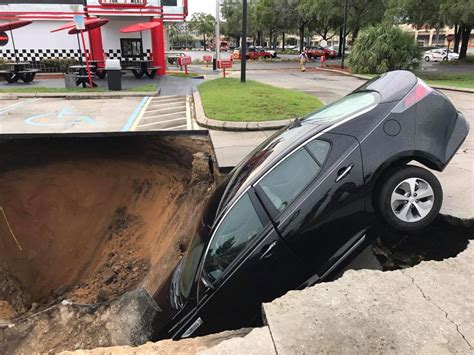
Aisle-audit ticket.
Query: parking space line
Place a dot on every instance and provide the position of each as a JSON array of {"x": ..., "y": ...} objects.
[
  {"x": 155, "y": 123},
  {"x": 18, "y": 104},
  {"x": 135, "y": 115},
  {"x": 173, "y": 128}
]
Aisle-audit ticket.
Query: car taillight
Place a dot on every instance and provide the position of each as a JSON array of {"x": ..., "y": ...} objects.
[{"x": 418, "y": 93}]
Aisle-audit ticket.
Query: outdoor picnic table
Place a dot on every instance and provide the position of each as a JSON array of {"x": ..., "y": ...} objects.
[
  {"x": 81, "y": 74},
  {"x": 99, "y": 71},
  {"x": 143, "y": 67},
  {"x": 19, "y": 70}
]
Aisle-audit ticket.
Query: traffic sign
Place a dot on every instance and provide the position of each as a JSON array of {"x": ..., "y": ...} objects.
[
  {"x": 450, "y": 38},
  {"x": 185, "y": 60},
  {"x": 323, "y": 43}
]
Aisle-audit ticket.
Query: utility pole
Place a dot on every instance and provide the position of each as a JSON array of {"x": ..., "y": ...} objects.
[
  {"x": 344, "y": 35},
  {"x": 243, "y": 52},
  {"x": 218, "y": 30}
]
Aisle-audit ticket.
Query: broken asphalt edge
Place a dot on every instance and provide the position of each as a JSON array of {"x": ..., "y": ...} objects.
[{"x": 210, "y": 123}]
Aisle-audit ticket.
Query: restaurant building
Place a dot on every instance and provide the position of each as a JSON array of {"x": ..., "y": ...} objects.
[{"x": 35, "y": 42}]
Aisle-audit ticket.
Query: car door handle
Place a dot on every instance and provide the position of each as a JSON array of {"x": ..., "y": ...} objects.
[
  {"x": 267, "y": 253},
  {"x": 344, "y": 172}
]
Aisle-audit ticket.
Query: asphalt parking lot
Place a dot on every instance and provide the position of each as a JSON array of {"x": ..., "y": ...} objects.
[{"x": 53, "y": 115}]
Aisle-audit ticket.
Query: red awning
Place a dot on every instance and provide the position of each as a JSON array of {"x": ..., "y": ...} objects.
[
  {"x": 13, "y": 25},
  {"x": 139, "y": 27},
  {"x": 89, "y": 24}
]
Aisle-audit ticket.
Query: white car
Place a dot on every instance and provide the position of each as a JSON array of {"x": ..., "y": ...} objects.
[
  {"x": 271, "y": 51},
  {"x": 440, "y": 55}
]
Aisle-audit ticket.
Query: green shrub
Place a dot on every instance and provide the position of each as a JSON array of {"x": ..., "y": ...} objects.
[
  {"x": 382, "y": 48},
  {"x": 60, "y": 65}
]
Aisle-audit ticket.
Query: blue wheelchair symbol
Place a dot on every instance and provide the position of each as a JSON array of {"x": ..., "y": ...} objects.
[{"x": 65, "y": 117}]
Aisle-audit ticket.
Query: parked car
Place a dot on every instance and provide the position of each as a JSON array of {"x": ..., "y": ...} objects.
[
  {"x": 256, "y": 53},
  {"x": 440, "y": 54},
  {"x": 299, "y": 207},
  {"x": 318, "y": 51},
  {"x": 271, "y": 51}
]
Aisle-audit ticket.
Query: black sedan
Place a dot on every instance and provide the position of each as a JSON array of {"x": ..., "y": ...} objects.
[{"x": 298, "y": 208}]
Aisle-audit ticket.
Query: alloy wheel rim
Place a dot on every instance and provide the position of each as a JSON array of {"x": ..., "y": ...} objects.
[{"x": 412, "y": 200}]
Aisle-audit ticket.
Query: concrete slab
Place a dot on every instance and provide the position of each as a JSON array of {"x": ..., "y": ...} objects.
[
  {"x": 232, "y": 147},
  {"x": 257, "y": 342},
  {"x": 427, "y": 309}
]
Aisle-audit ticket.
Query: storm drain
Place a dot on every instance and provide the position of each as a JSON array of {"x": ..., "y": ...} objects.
[{"x": 165, "y": 113}]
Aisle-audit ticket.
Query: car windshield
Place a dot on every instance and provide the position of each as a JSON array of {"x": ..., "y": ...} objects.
[{"x": 347, "y": 106}]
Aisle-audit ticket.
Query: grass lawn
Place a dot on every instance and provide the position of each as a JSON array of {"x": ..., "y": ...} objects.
[
  {"x": 459, "y": 80},
  {"x": 455, "y": 80},
  {"x": 181, "y": 74},
  {"x": 229, "y": 100}
]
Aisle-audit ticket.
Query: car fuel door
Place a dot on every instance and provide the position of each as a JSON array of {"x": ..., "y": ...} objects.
[{"x": 234, "y": 285}]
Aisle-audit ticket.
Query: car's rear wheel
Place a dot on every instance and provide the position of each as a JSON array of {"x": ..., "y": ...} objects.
[
  {"x": 427, "y": 59},
  {"x": 410, "y": 198}
]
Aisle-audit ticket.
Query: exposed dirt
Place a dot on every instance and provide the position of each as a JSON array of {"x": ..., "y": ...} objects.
[{"x": 90, "y": 218}]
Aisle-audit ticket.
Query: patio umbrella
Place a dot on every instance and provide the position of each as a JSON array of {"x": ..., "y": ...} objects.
[
  {"x": 89, "y": 24},
  {"x": 140, "y": 27},
  {"x": 13, "y": 25}
]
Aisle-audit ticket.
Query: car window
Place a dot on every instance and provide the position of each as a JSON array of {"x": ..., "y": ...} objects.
[
  {"x": 238, "y": 228},
  {"x": 343, "y": 108},
  {"x": 284, "y": 183},
  {"x": 319, "y": 150}
]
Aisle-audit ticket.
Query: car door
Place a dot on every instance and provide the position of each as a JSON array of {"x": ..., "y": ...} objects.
[
  {"x": 316, "y": 197},
  {"x": 246, "y": 264}
]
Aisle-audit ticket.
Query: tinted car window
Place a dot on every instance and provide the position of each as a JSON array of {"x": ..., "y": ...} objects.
[
  {"x": 319, "y": 150},
  {"x": 284, "y": 183},
  {"x": 343, "y": 108},
  {"x": 235, "y": 232}
]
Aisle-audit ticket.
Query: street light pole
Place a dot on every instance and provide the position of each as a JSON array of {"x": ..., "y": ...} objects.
[
  {"x": 218, "y": 30},
  {"x": 344, "y": 35},
  {"x": 243, "y": 52}
]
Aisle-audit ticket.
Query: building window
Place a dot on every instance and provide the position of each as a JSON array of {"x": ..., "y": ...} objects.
[
  {"x": 131, "y": 47},
  {"x": 169, "y": 3}
]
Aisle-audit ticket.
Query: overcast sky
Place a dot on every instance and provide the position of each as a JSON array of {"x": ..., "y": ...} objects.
[{"x": 207, "y": 6}]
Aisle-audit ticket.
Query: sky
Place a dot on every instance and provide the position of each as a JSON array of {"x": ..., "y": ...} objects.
[{"x": 208, "y": 6}]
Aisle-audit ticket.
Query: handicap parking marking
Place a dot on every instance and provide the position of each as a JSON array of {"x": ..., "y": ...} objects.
[
  {"x": 66, "y": 116},
  {"x": 12, "y": 107}
]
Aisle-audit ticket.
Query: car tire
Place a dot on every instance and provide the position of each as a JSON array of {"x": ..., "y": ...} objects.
[
  {"x": 398, "y": 199},
  {"x": 427, "y": 59}
]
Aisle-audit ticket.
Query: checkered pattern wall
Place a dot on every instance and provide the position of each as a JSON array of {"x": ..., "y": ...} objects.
[{"x": 36, "y": 55}]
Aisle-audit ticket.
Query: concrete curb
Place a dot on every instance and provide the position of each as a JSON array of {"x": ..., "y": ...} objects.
[
  {"x": 363, "y": 77},
  {"x": 77, "y": 96},
  {"x": 206, "y": 122}
]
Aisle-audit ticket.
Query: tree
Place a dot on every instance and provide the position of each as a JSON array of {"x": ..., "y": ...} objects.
[
  {"x": 232, "y": 19},
  {"x": 436, "y": 14},
  {"x": 203, "y": 24},
  {"x": 459, "y": 13},
  {"x": 382, "y": 48}
]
